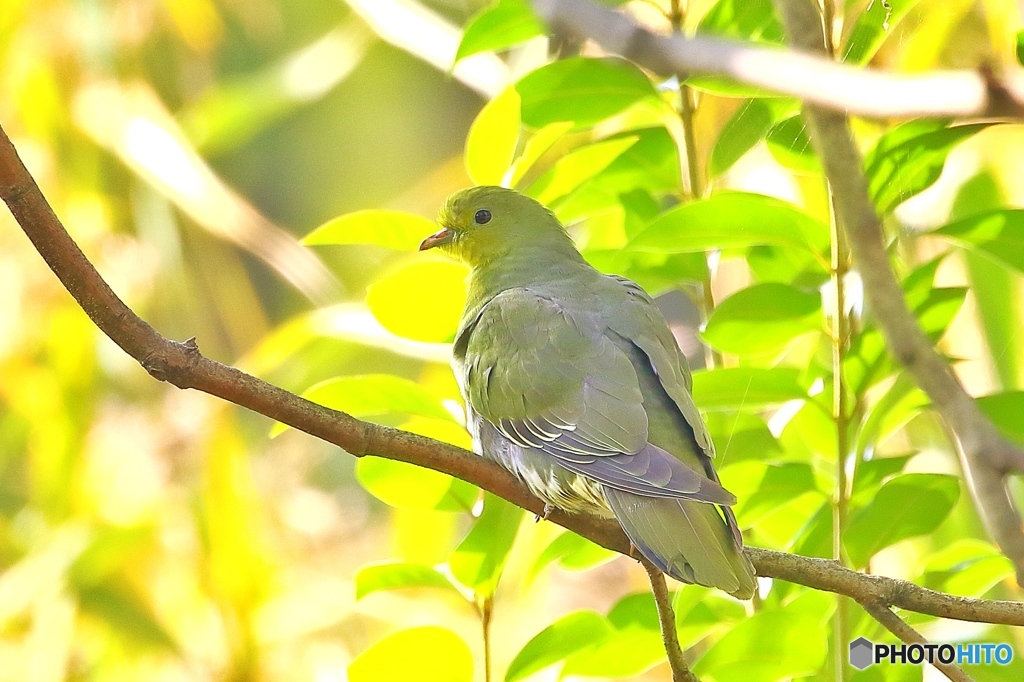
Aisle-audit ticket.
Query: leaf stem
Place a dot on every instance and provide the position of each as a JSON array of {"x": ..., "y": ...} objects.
[{"x": 486, "y": 611}]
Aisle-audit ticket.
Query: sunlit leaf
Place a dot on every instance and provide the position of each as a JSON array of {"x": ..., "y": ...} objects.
[
  {"x": 491, "y": 143},
  {"x": 425, "y": 654},
  {"x": 762, "y": 318},
  {"x": 421, "y": 299},
  {"x": 968, "y": 568},
  {"x": 537, "y": 145},
  {"x": 577, "y": 167},
  {"x": 367, "y": 395},
  {"x": 374, "y": 395},
  {"x": 871, "y": 473},
  {"x": 499, "y": 26},
  {"x": 770, "y": 645},
  {"x": 391, "y": 229},
  {"x": 582, "y": 90},
  {"x": 625, "y": 654},
  {"x": 904, "y": 507},
  {"x": 789, "y": 144},
  {"x": 909, "y": 159},
  {"x": 781, "y": 484},
  {"x": 872, "y": 27},
  {"x": 397, "y": 575},
  {"x": 732, "y": 220},
  {"x": 746, "y": 388},
  {"x": 557, "y": 641},
  {"x": 746, "y": 128},
  {"x": 1005, "y": 410},
  {"x": 478, "y": 561},
  {"x": 739, "y": 436},
  {"x": 405, "y": 486},
  {"x": 748, "y": 20},
  {"x": 999, "y": 234},
  {"x": 1019, "y": 49},
  {"x": 635, "y": 611},
  {"x": 573, "y": 552}
]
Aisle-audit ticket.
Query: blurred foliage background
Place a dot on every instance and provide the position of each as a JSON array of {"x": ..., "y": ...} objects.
[{"x": 188, "y": 145}]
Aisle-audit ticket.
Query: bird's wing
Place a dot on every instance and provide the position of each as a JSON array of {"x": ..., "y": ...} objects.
[
  {"x": 643, "y": 324},
  {"x": 549, "y": 379}
]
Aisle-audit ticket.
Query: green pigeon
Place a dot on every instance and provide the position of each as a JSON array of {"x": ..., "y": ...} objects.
[{"x": 574, "y": 383}]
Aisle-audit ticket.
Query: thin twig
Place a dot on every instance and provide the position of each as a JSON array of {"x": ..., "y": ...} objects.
[
  {"x": 667, "y": 620},
  {"x": 986, "y": 455},
  {"x": 899, "y": 627},
  {"x": 182, "y": 365},
  {"x": 864, "y": 92}
]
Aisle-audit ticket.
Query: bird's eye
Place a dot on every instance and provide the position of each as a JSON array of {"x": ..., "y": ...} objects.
[{"x": 482, "y": 217}]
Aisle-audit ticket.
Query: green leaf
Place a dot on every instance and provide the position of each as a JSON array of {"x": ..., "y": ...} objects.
[
  {"x": 573, "y": 552},
  {"x": 537, "y": 145},
  {"x": 564, "y": 637},
  {"x": 732, "y": 220},
  {"x": 625, "y": 654},
  {"x": 500, "y": 26},
  {"x": 420, "y": 299},
  {"x": 762, "y": 318},
  {"x": 748, "y": 126},
  {"x": 492, "y": 139},
  {"x": 425, "y": 654},
  {"x": 478, "y": 561},
  {"x": 398, "y": 575},
  {"x": 871, "y": 473},
  {"x": 582, "y": 90},
  {"x": 390, "y": 229},
  {"x": 577, "y": 167},
  {"x": 1020, "y": 48},
  {"x": 740, "y": 436},
  {"x": 909, "y": 159},
  {"x": 968, "y": 568},
  {"x": 746, "y": 388},
  {"x": 999, "y": 234},
  {"x": 904, "y": 507},
  {"x": 650, "y": 166},
  {"x": 747, "y": 20},
  {"x": 789, "y": 144},
  {"x": 781, "y": 484},
  {"x": 1005, "y": 410},
  {"x": 407, "y": 486},
  {"x": 636, "y": 611},
  {"x": 798, "y": 267},
  {"x": 872, "y": 27},
  {"x": 770, "y": 645},
  {"x": 372, "y": 396}
]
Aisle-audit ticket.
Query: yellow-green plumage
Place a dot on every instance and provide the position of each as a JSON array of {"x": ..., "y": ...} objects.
[{"x": 573, "y": 382}]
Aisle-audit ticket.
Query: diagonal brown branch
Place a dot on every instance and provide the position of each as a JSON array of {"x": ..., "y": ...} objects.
[
  {"x": 813, "y": 79},
  {"x": 899, "y": 627},
  {"x": 987, "y": 457},
  {"x": 182, "y": 365}
]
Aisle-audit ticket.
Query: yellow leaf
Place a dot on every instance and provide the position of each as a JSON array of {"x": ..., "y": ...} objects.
[
  {"x": 425, "y": 654},
  {"x": 491, "y": 143},
  {"x": 391, "y": 229},
  {"x": 421, "y": 299}
]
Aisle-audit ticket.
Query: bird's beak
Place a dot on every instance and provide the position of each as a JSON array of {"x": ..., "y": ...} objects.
[{"x": 443, "y": 236}]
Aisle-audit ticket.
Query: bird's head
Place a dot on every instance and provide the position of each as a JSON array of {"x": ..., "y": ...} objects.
[{"x": 480, "y": 225}]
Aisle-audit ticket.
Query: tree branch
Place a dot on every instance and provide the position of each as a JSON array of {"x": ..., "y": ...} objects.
[
  {"x": 897, "y": 626},
  {"x": 864, "y": 92},
  {"x": 667, "y": 621},
  {"x": 182, "y": 365},
  {"x": 986, "y": 456}
]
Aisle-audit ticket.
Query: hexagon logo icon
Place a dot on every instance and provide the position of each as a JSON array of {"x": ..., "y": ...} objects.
[{"x": 861, "y": 653}]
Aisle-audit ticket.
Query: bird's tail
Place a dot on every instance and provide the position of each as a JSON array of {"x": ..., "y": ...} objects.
[{"x": 686, "y": 539}]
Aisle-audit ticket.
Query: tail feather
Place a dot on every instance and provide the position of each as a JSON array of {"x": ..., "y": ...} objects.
[{"x": 686, "y": 539}]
